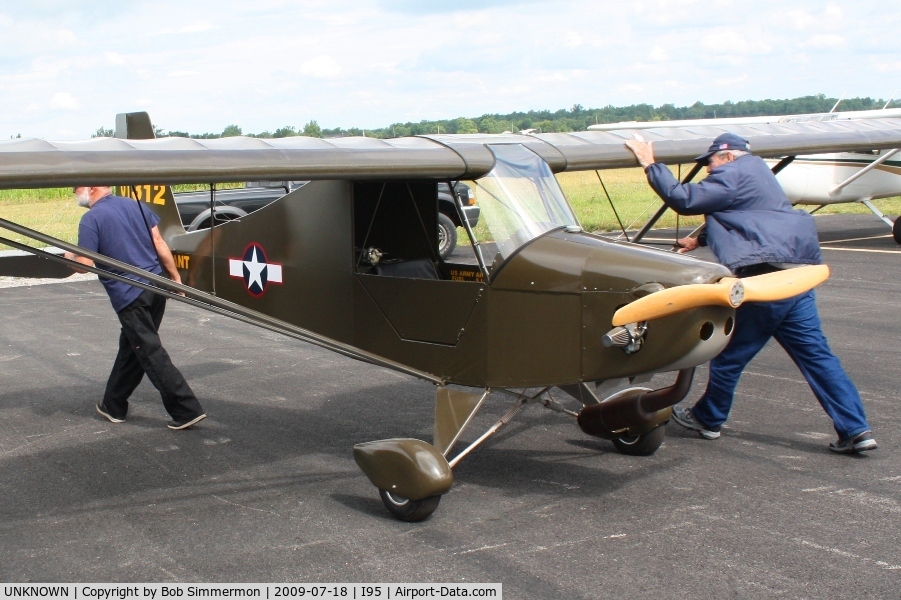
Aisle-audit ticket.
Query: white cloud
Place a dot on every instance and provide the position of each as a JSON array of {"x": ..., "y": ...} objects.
[
  {"x": 5, "y": 21},
  {"x": 572, "y": 40},
  {"x": 182, "y": 74},
  {"x": 743, "y": 78},
  {"x": 113, "y": 59},
  {"x": 831, "y": 17},
  {"x": 658, "y": 54},
  {"x": 825, "y": 40},
  {"x": 888, "y": 66},
  {"x": 65, "y": 101},
  {"x": 192, "y": 28},
  {"x": 65, "y": 37},
  {"x": 728, "y": 42},
  {"x": 630, "y": 87},
  {"x": 322, "y": 67}
]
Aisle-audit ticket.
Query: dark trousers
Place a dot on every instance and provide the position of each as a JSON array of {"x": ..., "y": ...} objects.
[
  {"x": 140, "y": 352},
  {"x": 796, "y": 326}
]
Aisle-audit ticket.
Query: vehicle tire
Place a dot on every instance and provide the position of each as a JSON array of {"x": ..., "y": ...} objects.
[
  {"x": 645, "y": 444},
  {"x": 221, "y": 218},
  {"x": 896, "y": 230},
  {"x": 409, "y": 510},
  {"x": 447, "y": 235}
]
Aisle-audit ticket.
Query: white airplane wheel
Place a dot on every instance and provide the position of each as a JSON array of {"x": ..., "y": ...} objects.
[
  {"x": 409, "y": 510},
  {"x": 645, "y": 444}
]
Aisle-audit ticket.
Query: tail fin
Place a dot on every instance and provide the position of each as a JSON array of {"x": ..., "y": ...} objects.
[{"x": 137, "y": 126}]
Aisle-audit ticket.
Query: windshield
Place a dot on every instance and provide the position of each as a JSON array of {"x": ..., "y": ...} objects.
[{"x": 519, "y": 200}]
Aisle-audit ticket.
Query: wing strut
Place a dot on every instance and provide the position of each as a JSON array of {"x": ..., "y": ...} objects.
[
  {"x": 835, "y": 190},
  {"x": 200, "y": 299}
]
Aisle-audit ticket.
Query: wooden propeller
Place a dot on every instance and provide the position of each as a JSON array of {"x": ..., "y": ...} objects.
[{"x": 728, "y": 291}]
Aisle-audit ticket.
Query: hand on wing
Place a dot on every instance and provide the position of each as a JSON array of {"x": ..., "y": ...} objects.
[
  {"x": 687, "y": 244},
  {"x": 642, "y": 151}
]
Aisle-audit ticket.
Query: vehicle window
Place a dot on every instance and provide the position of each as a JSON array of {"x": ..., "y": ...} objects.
[{"x": 519, "y": 200}]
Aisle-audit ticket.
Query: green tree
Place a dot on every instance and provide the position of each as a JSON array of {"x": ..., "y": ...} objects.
[
  {"x": 286, "y": 131},
  {"x": 231, "y": 131},
  {"x": 463, "y": 125},
  {"x": 102, "y": 132},
  {"x": 312, "y": 129}
]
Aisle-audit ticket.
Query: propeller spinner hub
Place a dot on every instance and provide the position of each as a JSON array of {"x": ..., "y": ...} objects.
[{"x": 737, "y": 293}]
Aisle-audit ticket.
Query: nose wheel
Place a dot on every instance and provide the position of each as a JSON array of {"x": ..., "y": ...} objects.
[
  {"x": 409, "y": 510},
  {"x": 644, "y": 444}
]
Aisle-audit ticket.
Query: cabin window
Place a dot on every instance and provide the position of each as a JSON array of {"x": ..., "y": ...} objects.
[
  {"x": 520, "y": 200},
  {"x": 396, "y": 227}
]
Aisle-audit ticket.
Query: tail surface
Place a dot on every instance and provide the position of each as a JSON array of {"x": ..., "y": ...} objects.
[{"x": 137, "y": 126}]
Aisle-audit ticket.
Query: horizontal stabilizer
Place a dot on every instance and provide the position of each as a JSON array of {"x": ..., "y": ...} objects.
[{"x": 18, "y": 263}]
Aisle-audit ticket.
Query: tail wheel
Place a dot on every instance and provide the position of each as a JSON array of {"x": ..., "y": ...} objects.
[
  {"x": 447, "y": 235},
  {"x": 896, "y": 230},
  {"x": 409, "y": 510},
  {"x": 645, "y": 444}
]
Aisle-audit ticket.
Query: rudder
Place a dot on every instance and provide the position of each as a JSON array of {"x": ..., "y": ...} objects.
[{"x": 137, "y": 126}]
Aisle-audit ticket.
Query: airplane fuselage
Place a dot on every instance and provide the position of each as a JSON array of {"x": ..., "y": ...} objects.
[{"x": 809, "y": 179}]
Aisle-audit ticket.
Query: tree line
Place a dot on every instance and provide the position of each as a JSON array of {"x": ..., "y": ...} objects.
[{"x": 577, "y": 118}]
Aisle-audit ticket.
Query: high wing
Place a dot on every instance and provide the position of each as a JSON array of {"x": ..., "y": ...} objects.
[
  {"x": 757, "y": 120},
  {"x": 33, "y": 163},
  {"x": 834, "y": 176}
]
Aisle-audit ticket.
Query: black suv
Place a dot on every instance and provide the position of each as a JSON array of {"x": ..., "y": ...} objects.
[{"x": 194, "y": 207}]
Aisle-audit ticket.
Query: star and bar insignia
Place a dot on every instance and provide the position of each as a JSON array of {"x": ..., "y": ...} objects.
[{"x": 255, "y": 269}]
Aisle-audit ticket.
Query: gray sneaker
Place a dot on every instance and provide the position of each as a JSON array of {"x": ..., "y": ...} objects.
[
  {"x": 102, "y": 410},
  {"x": 185, "y": 424},
  {"x": 859, "y": 443},
  {"x": 683, "y": 417}
]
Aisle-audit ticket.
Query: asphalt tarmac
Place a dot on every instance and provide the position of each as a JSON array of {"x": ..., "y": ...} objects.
[{"x": 266, "y": 489}]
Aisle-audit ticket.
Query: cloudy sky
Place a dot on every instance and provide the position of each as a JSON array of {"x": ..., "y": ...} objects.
[{"x": 68, "y": 66}]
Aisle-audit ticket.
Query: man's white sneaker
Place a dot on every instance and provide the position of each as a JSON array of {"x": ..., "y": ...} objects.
[
  {"x": 683, "y": 417},
  {"x": 859, "y": 443}
]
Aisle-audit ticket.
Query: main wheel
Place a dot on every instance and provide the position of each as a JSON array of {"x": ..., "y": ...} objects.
[
  {"x": 896, "y": 230},
  {"x": 447, "y": 235},
  {"x": 645, "y": 444},
  {"x": 409, "y": 510}
]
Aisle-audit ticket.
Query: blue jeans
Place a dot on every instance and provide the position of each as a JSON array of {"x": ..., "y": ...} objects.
[{"x": 796, "y": 326}]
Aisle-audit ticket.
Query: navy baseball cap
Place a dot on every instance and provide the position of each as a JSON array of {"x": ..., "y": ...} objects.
[{"x": 726, "y": 141}]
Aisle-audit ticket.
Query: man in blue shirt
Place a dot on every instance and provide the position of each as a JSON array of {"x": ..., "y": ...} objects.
[
  {"x": 752, "y": 228},
  {"x": 123, "y": 229}
]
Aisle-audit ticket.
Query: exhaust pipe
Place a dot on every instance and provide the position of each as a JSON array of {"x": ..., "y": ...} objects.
[{"x": 636, "y": 410}]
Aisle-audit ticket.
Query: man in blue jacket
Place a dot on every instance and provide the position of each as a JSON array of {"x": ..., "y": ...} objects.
[
  {"x": 121, "y": 228},
  {"x": 752, "y": 229}
]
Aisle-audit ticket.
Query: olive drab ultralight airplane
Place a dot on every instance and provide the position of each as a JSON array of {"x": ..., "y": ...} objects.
[{"x": 348, "y": 261}]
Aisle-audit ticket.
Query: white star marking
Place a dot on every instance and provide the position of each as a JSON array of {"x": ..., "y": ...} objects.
[{"x": 255, "y": 268}]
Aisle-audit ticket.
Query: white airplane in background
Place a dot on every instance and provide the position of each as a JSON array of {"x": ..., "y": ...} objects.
[{"x": 818, "y": 179}]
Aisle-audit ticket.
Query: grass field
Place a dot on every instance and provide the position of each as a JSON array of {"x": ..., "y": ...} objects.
[{"x": 53, "y": 211}]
